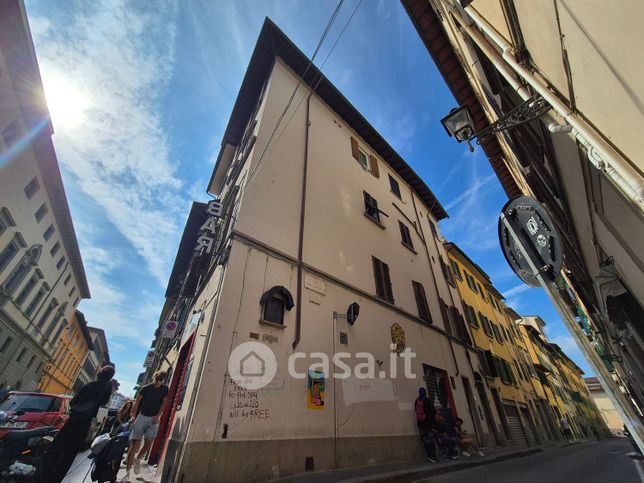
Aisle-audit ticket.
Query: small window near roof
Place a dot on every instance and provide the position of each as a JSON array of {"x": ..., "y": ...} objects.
[
  {"x": 41, "y": 212},
  {"x": 274, "y": 303},
  {"x": 32, "y": 188},
  {"x": 395, "y": 188},
  {"x": 49, "y": 232}
]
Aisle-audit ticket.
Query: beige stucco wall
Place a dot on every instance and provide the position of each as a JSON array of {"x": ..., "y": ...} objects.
[{"x": 607, "y": 410}]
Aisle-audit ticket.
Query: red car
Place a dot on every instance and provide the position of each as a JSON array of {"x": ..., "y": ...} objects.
[{"x": 32, "y": 410}]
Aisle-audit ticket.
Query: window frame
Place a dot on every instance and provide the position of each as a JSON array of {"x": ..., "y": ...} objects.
[
  {"x": 405, "y": 235},
  {"x": 456, "y": 270},
  {"x": 41, "y": 212},
  {"x": 371, "y": 204},
  {"x": 394, "y": 186},
  {"x": 421, "y": 301},
  {"x": 49, "y": 232},
  {"x": 54, "y": 249},
  {"x": 6, "y": 220},
  {"x": 32, "y": 188},
  {"x": 382, "y": 279}
]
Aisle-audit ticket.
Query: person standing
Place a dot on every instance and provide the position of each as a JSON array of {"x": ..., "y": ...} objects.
[
  {"x": 565, "y": 428},
  {"x": 426, "y": 422},
  {"x": 69, "y": 440},
  {"x": 145, "y": 418}
]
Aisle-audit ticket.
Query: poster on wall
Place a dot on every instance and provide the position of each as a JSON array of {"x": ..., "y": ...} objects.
[{"x": 315, "y": 390}]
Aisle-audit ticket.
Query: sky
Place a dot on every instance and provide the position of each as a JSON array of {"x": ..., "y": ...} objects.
[{"x": 140, "y": 94}]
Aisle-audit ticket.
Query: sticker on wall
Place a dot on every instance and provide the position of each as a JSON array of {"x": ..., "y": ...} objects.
[
  {"x": 398, "y": 338},
  {"x": 315, "y": 390}
]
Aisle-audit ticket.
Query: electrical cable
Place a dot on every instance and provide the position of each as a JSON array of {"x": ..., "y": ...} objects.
[{"x": 315, "y": 86}]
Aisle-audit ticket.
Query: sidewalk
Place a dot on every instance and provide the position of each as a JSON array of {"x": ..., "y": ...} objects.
[
  {"x": 408, "y": 471},
  {"x": 79, "y": 472}
]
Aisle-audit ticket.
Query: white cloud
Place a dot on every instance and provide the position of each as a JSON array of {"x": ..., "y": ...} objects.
[
  {"x": 471, "y": 193},
  {"x": 516, "y": 290},
  {"x": 568, "y": 345},
  {"x": 119, "y": 56}
]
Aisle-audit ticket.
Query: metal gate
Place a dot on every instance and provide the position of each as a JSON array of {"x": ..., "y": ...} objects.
[
  {"x": 527, "y": 425},
  {"x": 439, "y": 392},
  {"x": 514, "y": 422}
]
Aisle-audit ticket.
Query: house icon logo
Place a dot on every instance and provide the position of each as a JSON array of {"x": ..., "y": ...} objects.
[{"x": 252, "y": 365}]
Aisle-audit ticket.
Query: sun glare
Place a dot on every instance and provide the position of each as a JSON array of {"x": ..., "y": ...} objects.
[{"x": 67, "y": 103}]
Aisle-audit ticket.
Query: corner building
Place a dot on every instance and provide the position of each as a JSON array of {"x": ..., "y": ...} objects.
[{"x": 328, "y": 214}]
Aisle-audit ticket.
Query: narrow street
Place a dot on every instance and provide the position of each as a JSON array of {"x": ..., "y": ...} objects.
[{"x": 578, "y": 463}]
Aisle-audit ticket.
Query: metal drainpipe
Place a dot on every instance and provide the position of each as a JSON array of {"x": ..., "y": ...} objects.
[
  {"x": 300, "y": 249},
  {"x": 600, "y": 153}
]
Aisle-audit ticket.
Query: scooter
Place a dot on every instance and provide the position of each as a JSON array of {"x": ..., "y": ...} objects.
[{"x": 22, "y": 451}]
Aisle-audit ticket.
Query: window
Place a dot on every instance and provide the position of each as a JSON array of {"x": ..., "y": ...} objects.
[
  {"x": 50, "y": 308},
  {"x": 446, "y": 273},
  {"x": 470, "y": 315},
  {"x": 395, "y": 188},
  {"x": 60, "y": 263},
  {"x": 16, "y": 277},
  {"x": 6, "y": 220},
  {"x": 371, "y": 207},
  {"x": 456, "y": 269},
  {"x": 274, "y": 302},
  {"x": 48, "y": 232},
  {"x": 41, "y": 212},
  {"x": 480, "y": 291},
  {"x": 54, "y": 249},
  {"x": 76, "y": 300},
  {"x": 7, "y": 254},
  {"x": 21, "y": 356},
  {"x": 368, "y": 162},
  {"x": 432, "y": 227},
  {"x": 37, "y": 298},
  {"x": 28, "y": 288},
  {"x": 383, "y": 281},
  {"x": 32, "y": 188},
  {"x": 497, "y": 333},
  {"x": 31, "y": 362},
  {"x": 405, "y": 235},
  {"x": 71, "y": 292},
  {"x": 6, "y": 344},
  {"x": 67, "y": 279},
  {"x": 421, "y": 302},
  {"x": 471, "y": 283},
  {"x": 487, "y": 327},
  {"x": 11, "y": 134}
]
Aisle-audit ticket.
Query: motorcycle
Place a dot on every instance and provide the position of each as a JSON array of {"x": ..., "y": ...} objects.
[{"x": 22, "y": 451}]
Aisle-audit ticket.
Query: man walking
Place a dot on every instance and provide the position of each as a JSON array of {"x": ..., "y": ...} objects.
[{"x": 145, "y": 418}]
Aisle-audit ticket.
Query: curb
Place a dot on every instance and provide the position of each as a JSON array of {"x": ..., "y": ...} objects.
[{"x": 407, "y": 476}]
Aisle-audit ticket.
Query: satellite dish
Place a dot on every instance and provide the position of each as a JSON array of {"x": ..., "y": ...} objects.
[
  {"x": 536, "y": 233},
  {"x": 352, "y": 313}
]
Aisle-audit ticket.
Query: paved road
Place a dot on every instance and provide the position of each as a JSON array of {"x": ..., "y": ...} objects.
[{"x": 601, "y": 462}]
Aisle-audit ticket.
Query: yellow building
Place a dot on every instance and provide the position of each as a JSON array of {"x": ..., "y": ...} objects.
[
  {"x": 495, "y": 334},
  {"x": 69, "y": 355}
]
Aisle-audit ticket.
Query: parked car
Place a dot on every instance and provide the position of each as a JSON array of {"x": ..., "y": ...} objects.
[{"x": 31, "y": 410}]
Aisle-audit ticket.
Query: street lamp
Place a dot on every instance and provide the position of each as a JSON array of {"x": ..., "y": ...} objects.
[{"x": 459, "y": 123}]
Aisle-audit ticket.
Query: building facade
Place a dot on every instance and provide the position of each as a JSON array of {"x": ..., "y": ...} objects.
[
  {"x": 605, "y": 405},
  {"x": 72, "y": 350},
  {"x": 42, "y": 278},
  {"x": 351, "y": 223},
  {"x": 579, "y": 159},
  {"x": 98, "y": 357}
]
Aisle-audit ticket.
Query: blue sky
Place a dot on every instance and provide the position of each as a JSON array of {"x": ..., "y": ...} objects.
[{"x": 140, "y": 93}]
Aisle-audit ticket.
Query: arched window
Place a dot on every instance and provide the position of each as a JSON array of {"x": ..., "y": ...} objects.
[
  {"x": 50, "y": 308},
  {"x": 29, "y": 287},
  {"x": 273, "y": 303},
  {"x": 9, "y": 252},
  {"x": 29, "y": 260},
  {"x": 59, "y": 314}
]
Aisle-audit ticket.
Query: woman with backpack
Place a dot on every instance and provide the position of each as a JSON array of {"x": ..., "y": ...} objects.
[
  {"x": 426, "y": 422},
  {"x": 69, "y": 440}
]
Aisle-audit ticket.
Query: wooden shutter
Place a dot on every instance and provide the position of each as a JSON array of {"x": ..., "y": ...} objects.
[
  {"x": 354, "y": 147},
  {"x": 445, "y": 314},
  {"x": 421, "y": 301},
  {"x": 389, "y": 293},
  {"x": 377, "y": 275},
  {"x": 374, "y": 166}
]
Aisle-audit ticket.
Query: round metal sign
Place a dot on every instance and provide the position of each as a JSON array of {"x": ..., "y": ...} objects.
[{"x": 540, "y": 240}]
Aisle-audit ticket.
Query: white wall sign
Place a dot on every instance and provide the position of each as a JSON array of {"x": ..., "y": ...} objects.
[
  {"x": 315, "y": 284},
  {"x": 149, "y": 359},
  {"x": 169, "y": 329},
  {"x": 208, "y": 229}
]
